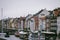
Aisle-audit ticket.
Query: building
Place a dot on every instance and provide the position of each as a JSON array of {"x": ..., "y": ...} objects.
[
  {"x": 22, "y": 23},
  {"x": 27, "y": 22},
  {"x": 42, "y": 19},
  {"x": 0, "y": 26},
  {"x": 38, "y": 20},
  {"x": 54, "y": 21}
]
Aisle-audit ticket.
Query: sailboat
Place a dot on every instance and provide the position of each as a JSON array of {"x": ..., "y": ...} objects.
[{"x": 2, "y": 35}]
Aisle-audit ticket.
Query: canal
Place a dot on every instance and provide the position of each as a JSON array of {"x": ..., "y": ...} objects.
[{"x": 12, "y": 37}]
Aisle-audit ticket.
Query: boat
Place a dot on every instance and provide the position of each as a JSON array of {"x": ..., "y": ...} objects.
[
  {"x": 2, "y": 36},
  {"x": 34, "y": 34},
  {"x": 17, "y": 34},
  {"x": 23, "y": 34}
]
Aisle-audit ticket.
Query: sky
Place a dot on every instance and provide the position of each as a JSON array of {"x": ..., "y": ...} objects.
[{"x": 17, "y": 8}]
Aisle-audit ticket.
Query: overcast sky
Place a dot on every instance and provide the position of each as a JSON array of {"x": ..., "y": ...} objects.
[{"x": 17, "y": 8}]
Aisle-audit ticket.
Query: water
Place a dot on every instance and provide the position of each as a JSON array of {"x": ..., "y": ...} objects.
[{"x": 12, "y": 37}]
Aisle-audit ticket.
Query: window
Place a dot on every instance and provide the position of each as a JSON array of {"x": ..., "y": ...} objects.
[{"x": 42, "y": 14}]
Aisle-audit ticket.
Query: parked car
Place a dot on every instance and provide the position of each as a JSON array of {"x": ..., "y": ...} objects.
[{"x": 17, "y": 34}]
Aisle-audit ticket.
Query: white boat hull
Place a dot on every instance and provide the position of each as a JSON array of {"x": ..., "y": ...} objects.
[{"x": 2, "y": 35}]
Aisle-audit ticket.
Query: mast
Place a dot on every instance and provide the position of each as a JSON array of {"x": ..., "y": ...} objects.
[{"x": 2, "y": 18}]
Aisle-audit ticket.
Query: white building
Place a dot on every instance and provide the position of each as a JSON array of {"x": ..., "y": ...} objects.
[
  {"x": 42, "y": 19},
  {"x": 27, "y": 21},
  {"x": 32, "y": 25}
]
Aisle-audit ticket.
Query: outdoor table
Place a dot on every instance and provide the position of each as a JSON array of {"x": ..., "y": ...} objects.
[{"x": 48, "y": 35}]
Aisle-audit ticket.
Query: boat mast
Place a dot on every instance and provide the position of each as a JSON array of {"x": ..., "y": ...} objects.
[{"x": 2, "y": 18}]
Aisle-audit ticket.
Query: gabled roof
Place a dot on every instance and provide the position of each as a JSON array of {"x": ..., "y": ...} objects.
[
  {"x": 22, "y": 18},
  {"x": 38, "y": 12},
  {"x": 28, "y": 15}
]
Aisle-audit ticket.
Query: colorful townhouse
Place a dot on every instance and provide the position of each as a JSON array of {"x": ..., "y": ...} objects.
[
  {"x": 55, "y": 20},
  {"x": 17, "y": 23},
  {"x": 10, "y": 23},
  {"x": 22, "y": 23},
  {"x": 33, "y": 23},
  {"x": 27, "y": 22},
  {"x": 58, "y": 21},
  {"x": 42, "y": 19},
  {"x": 38, "y": 21}
]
